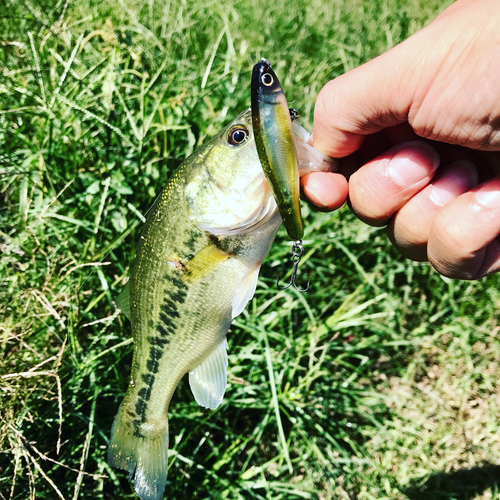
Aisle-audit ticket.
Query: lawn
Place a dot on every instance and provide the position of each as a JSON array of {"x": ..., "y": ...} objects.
[{"x": 381, "y": 382}]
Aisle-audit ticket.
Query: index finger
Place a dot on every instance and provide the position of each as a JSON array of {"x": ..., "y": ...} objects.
[{"x": 360, "y": 102}]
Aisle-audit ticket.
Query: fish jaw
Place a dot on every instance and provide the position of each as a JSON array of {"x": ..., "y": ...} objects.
[{"x": 310, "y": 159}]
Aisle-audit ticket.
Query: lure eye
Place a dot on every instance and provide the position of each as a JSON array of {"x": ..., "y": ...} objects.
[
  {"x": 237, "y": 135},
  {"x": 267, "y": 79}
]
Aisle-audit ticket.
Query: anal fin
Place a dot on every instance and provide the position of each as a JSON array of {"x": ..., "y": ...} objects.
[{"x": 209, "y": 379}]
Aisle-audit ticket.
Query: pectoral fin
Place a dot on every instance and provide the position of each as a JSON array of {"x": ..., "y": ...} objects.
[
  {"x": 204, "y": 262},
  {"x": 208, "y": 380},
  {"x": 245, "y": 292}
]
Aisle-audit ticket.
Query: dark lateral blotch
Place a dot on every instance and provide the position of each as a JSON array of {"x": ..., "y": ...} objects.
[
  {"x": 158, "y": 341},
  {"x": 148, "y": 378},
  {"x": 140, "y": 407},
  {"x": 179, "y": 296},
  {"x": 179, "y": 283},
  {"x": 153, "y": 365},
  {"x": 145, "y": 393}
]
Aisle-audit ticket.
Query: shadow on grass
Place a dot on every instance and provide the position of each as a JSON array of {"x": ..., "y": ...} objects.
[{"x": 463, "y": 484}]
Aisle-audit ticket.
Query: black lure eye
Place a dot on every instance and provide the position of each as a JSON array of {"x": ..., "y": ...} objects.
[
  {"x": 267, "y": 79},
  {"x": 237, "y": 135}
]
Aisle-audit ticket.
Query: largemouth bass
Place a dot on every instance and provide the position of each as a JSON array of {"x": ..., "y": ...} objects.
[{"x": 196, "y": 268}]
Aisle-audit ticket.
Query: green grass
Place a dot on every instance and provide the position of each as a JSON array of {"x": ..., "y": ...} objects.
[{"x": 380, "y": 382}]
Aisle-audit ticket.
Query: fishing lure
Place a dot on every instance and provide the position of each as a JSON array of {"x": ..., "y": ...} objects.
[{"x": 276, "y": 147}]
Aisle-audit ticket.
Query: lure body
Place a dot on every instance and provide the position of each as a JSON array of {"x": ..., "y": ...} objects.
[
  {"x": 275, "y": 140},
  {"x": 196, "y": 268}
]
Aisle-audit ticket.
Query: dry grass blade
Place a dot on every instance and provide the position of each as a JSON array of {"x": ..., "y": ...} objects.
[
  {"x": 65, "y": 72},
  {"x": 89, "y": 114},
  {"x": 37, "y": 66},
  {"x": 212, "y": 57},
  {"x": 48, "y": 306},
  {"x": 28, "y": 457},
  {"x": 17, "y": 461},
  {"x": 59, "y": 393},
  {"x": 63, "y": 13},
  {"x": 88, "y": 437},
  {"x": 85, "y": 264},
  {"x": 48, "y": 459}
]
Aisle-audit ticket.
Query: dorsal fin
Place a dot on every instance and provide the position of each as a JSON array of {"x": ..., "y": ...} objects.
[
  {"x": 123, "y": 300},
  {"x": 209, "y": 379}
]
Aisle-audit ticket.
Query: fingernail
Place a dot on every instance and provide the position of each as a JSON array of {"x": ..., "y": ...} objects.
[
  {"x": 412, "y": 163},
  {"x": 318, "y": 201},
  {"x": 489, "y": 195},
  {"x": 455, "y": 180}
]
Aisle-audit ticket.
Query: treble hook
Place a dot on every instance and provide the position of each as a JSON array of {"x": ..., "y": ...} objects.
[{"x": 297, "y": 253}]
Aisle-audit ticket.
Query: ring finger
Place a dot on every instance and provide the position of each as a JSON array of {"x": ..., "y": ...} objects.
[{"x": 410, "y": 227}]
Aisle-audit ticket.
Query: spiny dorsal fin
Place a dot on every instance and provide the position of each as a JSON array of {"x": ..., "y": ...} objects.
[
  {"x": 123, "y": 300},
  {"x": 209, "y": 379}
]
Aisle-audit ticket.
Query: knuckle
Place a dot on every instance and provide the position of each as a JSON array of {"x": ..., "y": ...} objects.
[{"x": 455, "y": 127}]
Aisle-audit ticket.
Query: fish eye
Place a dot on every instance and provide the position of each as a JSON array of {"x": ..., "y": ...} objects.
[
  {"x": 267, "y": 79},
  {"x": 237, "y": 135}
]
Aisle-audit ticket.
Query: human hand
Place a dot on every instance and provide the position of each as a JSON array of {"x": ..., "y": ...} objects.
[{"x": 419, "y": 128}]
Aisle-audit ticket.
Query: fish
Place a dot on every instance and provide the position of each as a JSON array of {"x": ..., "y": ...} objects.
[
  {"x": 197, "y": 265},
  {"x": 275, "y": 140}
]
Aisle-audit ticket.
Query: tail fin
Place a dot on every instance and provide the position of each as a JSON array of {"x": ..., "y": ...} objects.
[{"x": 144, "y": 457}]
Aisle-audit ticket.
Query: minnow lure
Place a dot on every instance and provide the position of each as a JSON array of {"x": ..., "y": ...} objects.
[{"x": 275, "y": 141}]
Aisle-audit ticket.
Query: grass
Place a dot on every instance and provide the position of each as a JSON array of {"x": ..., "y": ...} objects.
[{"x": 380, "y": 382}]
